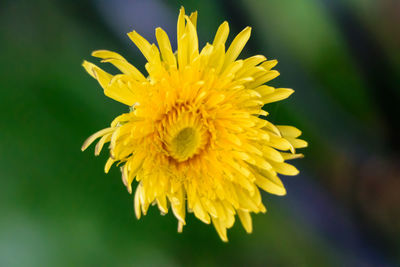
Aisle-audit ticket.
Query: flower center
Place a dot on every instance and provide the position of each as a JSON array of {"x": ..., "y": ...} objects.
[
  {"x": 185, "y": 144},
  {"x": 183, "y": 134}
]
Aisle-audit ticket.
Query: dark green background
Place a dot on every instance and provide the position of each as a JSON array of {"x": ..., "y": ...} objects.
[{"x": 58, "y": 208}]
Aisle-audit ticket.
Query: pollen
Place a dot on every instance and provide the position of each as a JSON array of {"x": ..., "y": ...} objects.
[{"x": 196, "y": 136}]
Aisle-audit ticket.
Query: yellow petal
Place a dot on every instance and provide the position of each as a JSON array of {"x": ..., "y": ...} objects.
[
  {"x": 124, "y": 171},
  {"x": 262, "y": 163},
  {"x": 193, "y": 42},
  {"x": 100, "y": 75},
  {"x": 137, "y": 203},
  {"x": 119, "y": 62},
  {"x": 245, "y": 201},
  {"x": 216, "y": 59},
  {"x": 183, "y": 52},
  {"x": 289, "y": 156},
  {"x": 264, "y": 90},
  {"x": 297, "y": 143},
  {"x": 222, "y": 34},
  {"x": 269, "y": 64},
  {"x": 289, "y": 131},
  {"x": 200, "y": 213},
  {"x": 245, "y": 172},
  {"x": 220, "y": 211},
  {"x": 180, "y": 227},
  {"x": 144, "y": 46},
  {"x": 269, "y": 75},
  {"x": 94, "y": 136},
  {"x": 285, "y": 169},
  {"x": 246, "y": 221},
  {"x": 253, "y": 61},
  {"x": 249, "y": 66},
  {"x": 232, "y": 68},
  {"x": 193, "y": 18},
  {"x": 100, "y": 144},
  {"x": 221, "y": 230},
  {"x": 178, "y": 205},
  {"x": 271, "y": 127},
  {"x": 272, "y": 154},
  {"x": 118, "y": 89},
  {"x": 270, "y": 183},
  {"x": 135, "y": 163},
  {"x": 278, "y": 95},
  {"x": 182, "y": 40},
  {"x": 237, "y": 45},
  {"x": 165, "y": 47},
  {"x": 181, "y": 23},
  {"x": 162, "y": 204},
  {"x": 108, "y": 165}
]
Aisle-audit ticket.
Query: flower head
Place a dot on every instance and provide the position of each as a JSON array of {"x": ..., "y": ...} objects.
[{"x": 196, "y": 138}]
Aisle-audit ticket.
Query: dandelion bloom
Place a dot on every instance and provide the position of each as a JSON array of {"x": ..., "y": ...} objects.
[{"x": 195, "y": 137}]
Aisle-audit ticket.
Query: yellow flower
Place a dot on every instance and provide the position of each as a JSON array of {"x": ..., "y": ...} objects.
[{"x": 194, "y": 138}]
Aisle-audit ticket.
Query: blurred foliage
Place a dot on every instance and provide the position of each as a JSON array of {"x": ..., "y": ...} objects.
[{"x": 59, "y": 208}]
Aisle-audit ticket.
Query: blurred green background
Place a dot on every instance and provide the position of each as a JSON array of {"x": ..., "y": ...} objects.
[{"x": 58, "y": 208}]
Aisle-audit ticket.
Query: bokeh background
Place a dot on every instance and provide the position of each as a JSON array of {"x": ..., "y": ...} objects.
[{"x": 58, "y": 208}]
